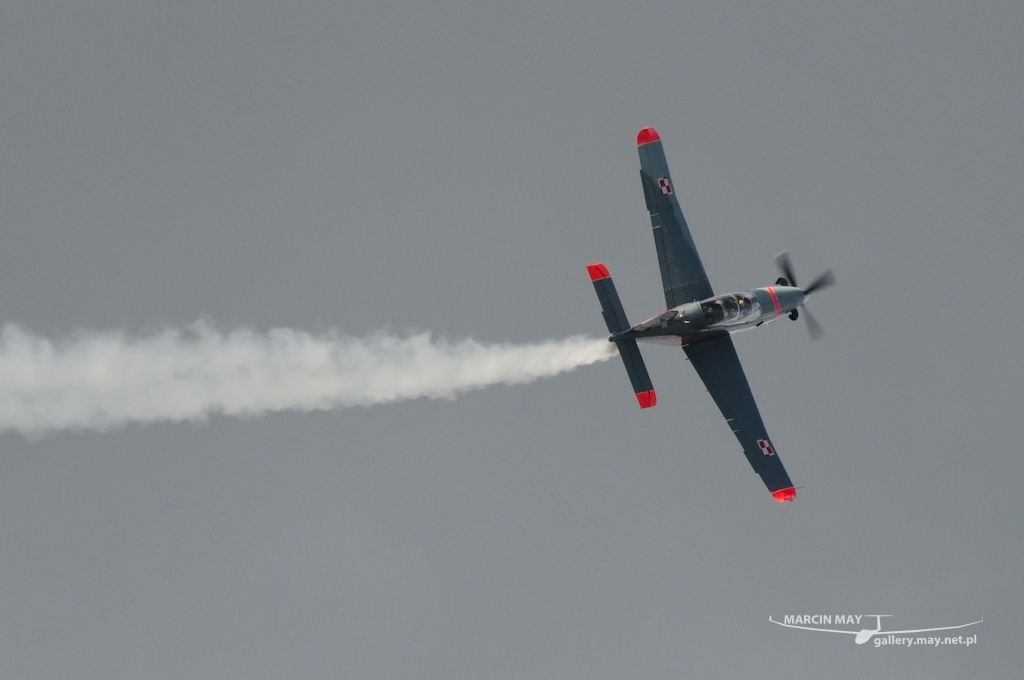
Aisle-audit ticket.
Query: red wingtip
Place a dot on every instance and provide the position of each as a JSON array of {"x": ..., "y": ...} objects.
[
  {"x": 647, "y": 399},
  {"x": 598, "y": 271},
  {"x": 784, "y": 495},
  {"x": 646, "y": 136}
]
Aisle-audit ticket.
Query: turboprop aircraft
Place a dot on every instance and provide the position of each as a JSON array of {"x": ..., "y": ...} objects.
[{"x": 700, "y": 321}]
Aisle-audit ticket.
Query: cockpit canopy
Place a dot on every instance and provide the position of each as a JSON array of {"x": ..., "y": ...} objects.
[{"x": 728, "y": 310}]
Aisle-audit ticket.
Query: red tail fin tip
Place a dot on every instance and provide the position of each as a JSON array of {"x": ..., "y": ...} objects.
[
  {"x": 597, "y": 272},
  {"x": 647, "y": 399}
]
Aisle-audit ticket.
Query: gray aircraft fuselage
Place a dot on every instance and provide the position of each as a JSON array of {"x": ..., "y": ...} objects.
[{"x": 729, "y": 313}]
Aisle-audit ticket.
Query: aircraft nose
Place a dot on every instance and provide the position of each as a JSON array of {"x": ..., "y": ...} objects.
[{"x": 790, "y": 298}]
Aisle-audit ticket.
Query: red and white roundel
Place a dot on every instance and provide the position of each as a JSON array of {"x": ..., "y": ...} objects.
[
  {"x": 666, "y": 188},
  {"x": 766, "y": 447}
]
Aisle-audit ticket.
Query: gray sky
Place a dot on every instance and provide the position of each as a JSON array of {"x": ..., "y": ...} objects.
[{"x": 453, "y": 167}]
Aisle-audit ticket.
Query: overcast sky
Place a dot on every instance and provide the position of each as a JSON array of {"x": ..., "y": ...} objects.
[{"x": 453, "y": 167}]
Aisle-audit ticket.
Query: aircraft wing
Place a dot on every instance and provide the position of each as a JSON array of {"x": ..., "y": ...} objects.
[
  {"x": 718, "y": 366},
  {"x": 682, "y": 274}
]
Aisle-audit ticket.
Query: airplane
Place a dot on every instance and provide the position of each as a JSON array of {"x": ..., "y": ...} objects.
[
  {"x": 700, "y": 321},
  {"x": 866, "y": 634}
]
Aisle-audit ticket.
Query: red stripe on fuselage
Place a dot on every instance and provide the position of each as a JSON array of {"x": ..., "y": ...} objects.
[{"x": 775, "y": 299}]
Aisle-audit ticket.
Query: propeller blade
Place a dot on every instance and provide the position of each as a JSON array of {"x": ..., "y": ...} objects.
[
  {"x": 813, "y": 327},
  {"x": 782, "y": 259},
  {"x": 826, "y": 279}
]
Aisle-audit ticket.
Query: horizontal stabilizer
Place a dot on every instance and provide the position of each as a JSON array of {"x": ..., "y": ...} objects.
[
  {"x": 637, "y": 371},
  {"x": 611, "y": 307},
  {"x": 615, "y": 319}
]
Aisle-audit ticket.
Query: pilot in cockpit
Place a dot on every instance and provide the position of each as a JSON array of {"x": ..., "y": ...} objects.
[{"x": 713, "y": 311}]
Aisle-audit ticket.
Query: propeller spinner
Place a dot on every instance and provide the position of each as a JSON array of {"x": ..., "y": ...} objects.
[{"x": 824, "y": 280}]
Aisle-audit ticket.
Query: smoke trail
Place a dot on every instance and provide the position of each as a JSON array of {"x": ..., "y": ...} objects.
[{"x": 100, "y": 380}]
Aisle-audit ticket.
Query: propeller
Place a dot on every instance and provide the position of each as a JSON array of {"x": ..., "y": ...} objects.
[
  {"x": 782, "y": 259},
  {"x": 824, "y": 280},
  {"x": 813, "y": 327}
]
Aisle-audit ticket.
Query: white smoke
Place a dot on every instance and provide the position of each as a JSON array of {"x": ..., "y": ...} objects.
[{"x": 100, "y": 380}]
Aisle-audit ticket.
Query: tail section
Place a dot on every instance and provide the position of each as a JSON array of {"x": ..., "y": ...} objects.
[
  {"x": 637, "y": 371},
  {"x": 611, "y": 307},
  {"x": 615, "y": 319}
]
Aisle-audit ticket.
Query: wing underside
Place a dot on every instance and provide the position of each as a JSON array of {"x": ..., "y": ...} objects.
[
  {"x": 718, "y": 366},
  {"x": 682, "y": 274}
]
